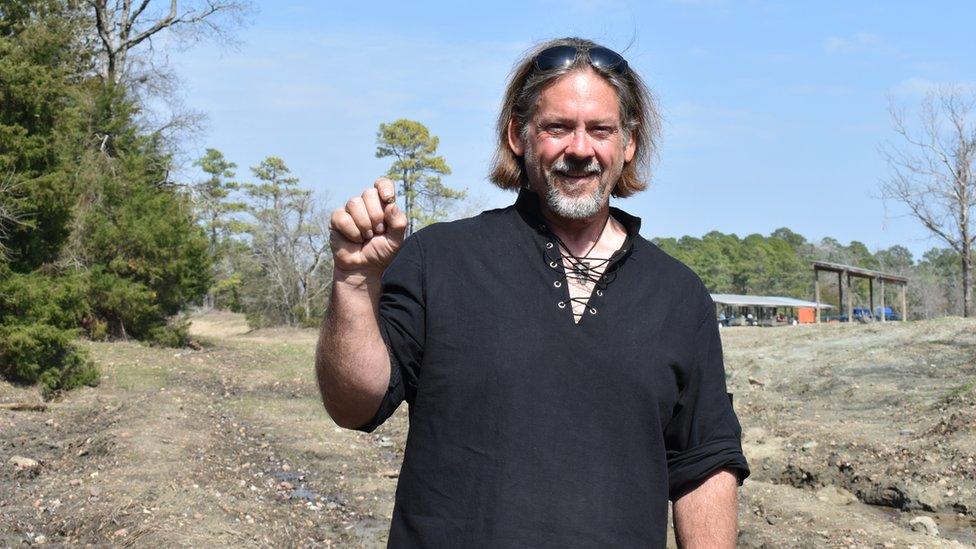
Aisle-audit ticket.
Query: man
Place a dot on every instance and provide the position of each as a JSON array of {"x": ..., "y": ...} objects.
[{"x": 564, "y": 376}]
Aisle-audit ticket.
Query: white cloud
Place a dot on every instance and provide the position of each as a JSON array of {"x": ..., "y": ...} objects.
[
  {"x": 712, "y": 3},
  {"x": 690, "y": 124},
  {"x": 860, "y": 42},
  {"x": 828, "y": 90},
  {"x": 915, "y": 87}
]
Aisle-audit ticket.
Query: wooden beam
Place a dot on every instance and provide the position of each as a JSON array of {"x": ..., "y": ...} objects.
[
  {"x": 840, "y": 293},
  {"x": 871, "y": 297},
  {"x": 857, "y": 271},
  {"x": 850, "y": 302},
  {"x": 904, "y": 304},
  {"x": 883, "y": 315},
  {"x": 816, "y": 292}
]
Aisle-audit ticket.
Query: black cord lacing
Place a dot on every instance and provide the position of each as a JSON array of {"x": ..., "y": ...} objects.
[{"x": 583, "y": 268}]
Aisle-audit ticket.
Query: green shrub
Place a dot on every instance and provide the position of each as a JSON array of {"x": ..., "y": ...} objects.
[
  {"x": 60, "y": 301},
  {"x": 129, "y": 308},
  {"x": 256, "y": 319},
  {"x": 31, "y": 353},
  {"x": 175, "y": 333},
  {"x": 227, "y": 293}
]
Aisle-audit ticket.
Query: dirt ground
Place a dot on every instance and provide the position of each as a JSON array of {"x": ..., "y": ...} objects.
[{"x": 852, "y": 432}]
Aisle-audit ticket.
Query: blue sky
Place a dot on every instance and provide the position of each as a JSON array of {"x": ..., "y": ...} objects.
[{"x": 774, "y": 111}]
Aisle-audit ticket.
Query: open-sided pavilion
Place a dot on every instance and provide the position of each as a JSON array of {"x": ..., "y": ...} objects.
[
  {"x": 844, "y": 275},
  {"x": 762, "y": 303}
]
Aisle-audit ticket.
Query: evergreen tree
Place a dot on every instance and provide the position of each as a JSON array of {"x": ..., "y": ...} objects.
[
  {"x": 42, "y": 63},
  {"x": 289, "y": 247},
  {"x": 102, "y": 234},
  {"x": 418, "y": 169},
  {"x": 216, "y": 209},
  {"x": 42, "y": 66}
]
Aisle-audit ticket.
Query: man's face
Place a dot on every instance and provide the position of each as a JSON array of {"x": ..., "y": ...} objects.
[{"x": 574, "y": 146}]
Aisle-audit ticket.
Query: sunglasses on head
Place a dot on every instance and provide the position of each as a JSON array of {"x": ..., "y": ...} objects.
[{"x": 564, "y": 56}]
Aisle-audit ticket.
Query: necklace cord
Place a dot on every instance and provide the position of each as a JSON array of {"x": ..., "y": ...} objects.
[{"x": 584, "y": 268}]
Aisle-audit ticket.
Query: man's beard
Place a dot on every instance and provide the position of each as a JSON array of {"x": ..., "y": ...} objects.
[
  {"x": 582, "y": 206},
  {"x": 575, "y": 207}
]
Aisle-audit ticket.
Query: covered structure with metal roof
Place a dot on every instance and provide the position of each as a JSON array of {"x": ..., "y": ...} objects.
[
  {"x": 765, "y": 301},
  {"x": 844, "y": 275},
  {"x": 767, "y": 308}
]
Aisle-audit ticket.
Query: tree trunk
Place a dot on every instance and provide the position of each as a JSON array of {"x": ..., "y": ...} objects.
[
  {"x": 407, "y": 203},
  {"x": 967, "y": 287}
]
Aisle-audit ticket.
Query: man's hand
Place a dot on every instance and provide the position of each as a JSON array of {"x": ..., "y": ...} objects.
[
  {"x": 366, "y": 234},
  {"x": 352, "y": 362}
]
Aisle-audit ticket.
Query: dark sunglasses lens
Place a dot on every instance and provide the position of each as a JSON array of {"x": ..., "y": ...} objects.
[
  {"x": 607, "y": 60},
  {"x": 555, "y": 57}
]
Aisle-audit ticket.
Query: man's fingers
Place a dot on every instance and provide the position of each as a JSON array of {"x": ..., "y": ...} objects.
[
  {"x": 374, "y": 209},
  {"x": 396, "y": 221},
  {"x": 357, "y": 209},
  {"x": 386, "y": 190},
  {"x": 342, "y": 223}
]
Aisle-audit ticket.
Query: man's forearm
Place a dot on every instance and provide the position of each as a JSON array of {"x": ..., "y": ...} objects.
[
  {"x": 351, "y": 361},
  {"x": 707, "y": 517}
]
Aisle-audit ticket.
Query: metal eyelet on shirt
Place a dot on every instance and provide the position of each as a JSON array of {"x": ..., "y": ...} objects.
[
  {"x": 549, "y": 245},
  {"x": 592, "y": 311},
  {"x": 553, "y": 264},
  {"x": 557, "y": 284},
  {"x": 599, "y": 293},
  {"x": 561, "y": 304}
]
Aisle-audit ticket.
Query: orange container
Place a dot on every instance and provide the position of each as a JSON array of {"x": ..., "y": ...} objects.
[{"x": 807, "y": 315}]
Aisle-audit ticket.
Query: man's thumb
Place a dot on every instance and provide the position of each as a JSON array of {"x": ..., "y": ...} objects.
[{"x": 395, "y": 220}]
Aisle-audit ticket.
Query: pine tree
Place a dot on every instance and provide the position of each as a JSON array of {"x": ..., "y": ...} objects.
[
  {"x": 216, "y": 207},
  {"x": 418, "y": 169}
]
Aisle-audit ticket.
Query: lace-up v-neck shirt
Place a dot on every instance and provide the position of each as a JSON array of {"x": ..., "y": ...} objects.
[{"x": 528, "y": 429}]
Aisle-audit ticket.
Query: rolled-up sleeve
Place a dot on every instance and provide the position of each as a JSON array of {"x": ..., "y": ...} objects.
[
  {"x": 402, "y": 323},
  {"x": 703, "y": 434}
]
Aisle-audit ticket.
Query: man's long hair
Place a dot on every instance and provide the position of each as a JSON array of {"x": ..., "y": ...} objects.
[{"x": 638, "y": 114}]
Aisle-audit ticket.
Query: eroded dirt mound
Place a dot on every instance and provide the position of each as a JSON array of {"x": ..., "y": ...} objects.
[
  {"x": 878, "y": 421},
  {"x": 858, "y": 436}
]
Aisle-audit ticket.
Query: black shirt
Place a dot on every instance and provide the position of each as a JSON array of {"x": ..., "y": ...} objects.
[{"x": 530, "y": 430}]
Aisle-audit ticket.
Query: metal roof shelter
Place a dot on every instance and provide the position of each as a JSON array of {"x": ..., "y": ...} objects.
[
  {"x": 765, "y": 301},
  {"x": 846, "y": 272}
]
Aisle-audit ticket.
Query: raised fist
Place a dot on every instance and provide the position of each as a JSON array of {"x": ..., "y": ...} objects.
[{"x": 366, "y": 234}]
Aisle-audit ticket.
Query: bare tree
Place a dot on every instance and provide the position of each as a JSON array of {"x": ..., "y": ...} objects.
[
  {"x": 8, "y": 212},
  {"x": 124, "y": 25},
  {"x": 289, "y": 239},
  {"x": 310, "y": 252},
  {"x": 932, "y": 173},
  {"x": 122, "y": 32}
]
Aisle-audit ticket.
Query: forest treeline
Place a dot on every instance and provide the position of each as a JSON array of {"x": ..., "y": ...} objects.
[
  {"x": 99, "y": 239},
  {"x": 780, "y": 265}
]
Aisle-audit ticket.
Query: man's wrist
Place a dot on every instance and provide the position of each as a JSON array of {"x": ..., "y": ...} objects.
[{"x": 358, "y": 279}]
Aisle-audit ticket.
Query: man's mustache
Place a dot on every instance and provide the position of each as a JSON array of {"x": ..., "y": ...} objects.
[{"x": 577, "y": 169}]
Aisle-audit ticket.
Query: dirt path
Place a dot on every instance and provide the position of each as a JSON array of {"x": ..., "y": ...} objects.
[
  {"x": 851, "y": 433},
  {"x": 223, "y": 446}
]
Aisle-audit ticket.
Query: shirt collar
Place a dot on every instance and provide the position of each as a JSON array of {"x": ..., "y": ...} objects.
[{"x": 530, "y": 209}]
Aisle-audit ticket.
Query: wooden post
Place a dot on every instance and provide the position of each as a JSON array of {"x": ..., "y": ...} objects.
[
  {"x": 850, "y": 302},
  {"x": 904, "y": 304},
  {"x": 883, "y": 315},
  {"x": 816, "y": 292},
  {"x": 840, "y": 294},
  {"x": 871, "y": 297}
]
